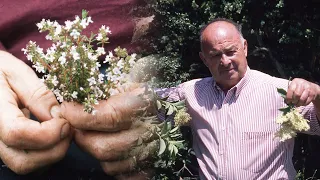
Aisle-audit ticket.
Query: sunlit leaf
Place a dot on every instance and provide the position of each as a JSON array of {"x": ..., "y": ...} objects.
[
  {"x": 174, "y": 129},
  {"x": 162, "y": 147},
  {"x": 170, "y": 111},
  {"x": 159, "y": 105}
]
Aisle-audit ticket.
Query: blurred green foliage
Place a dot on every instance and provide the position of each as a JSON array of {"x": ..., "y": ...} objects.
[{"x": 278, "y": 31}]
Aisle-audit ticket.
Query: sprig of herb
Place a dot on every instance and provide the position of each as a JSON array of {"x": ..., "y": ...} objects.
[{"x": 291, "y": 121}]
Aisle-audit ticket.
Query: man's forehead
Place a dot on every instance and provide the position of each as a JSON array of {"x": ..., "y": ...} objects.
[{"x": 221, "y": 30}]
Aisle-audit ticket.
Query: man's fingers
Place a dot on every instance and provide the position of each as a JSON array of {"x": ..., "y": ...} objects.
[
  {"x": 24, "y": 161},
  {"x": 113, "y": 114},
  {"x": 24, "y": 133},
  {"x": 141, "y": 175},
  {"x": 137, "y": 159},
  {"x": 30, "y": 91},
  {"x": 290, "y": 91},
  {"x": 111, "y": 146}
]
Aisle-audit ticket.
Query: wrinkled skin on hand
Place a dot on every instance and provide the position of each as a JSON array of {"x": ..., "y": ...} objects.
[
  {"x": 25, "y": 144},
  {"x": 302, "y": 92},
  {"x": 115, "y": 135}
]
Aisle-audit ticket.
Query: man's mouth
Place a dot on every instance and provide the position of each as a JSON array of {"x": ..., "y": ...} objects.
[{"x": 227, "y": 70}]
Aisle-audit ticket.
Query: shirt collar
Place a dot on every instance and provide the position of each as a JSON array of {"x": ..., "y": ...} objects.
[{"x": 240, "y": 85}]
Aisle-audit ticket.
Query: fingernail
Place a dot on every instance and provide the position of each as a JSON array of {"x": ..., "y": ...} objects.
[
  {"x": 55, "y": 111},
  {"x": 65, "y": 131}
]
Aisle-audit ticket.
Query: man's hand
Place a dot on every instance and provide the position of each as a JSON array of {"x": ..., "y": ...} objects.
[
  {"x": 25, "y": 144},
  {"x": 301, "y": 92},
  {"x": 113, "y": 135}
]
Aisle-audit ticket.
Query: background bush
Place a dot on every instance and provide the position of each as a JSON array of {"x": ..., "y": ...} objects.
[{"x": 283, "y": 38}]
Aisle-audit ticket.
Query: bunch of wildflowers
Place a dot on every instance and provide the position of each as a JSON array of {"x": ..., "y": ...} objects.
[
  {"x": 72, "y": 72},
  {"x": 291, "y": 121},
  {"x": 71, "y": 66}
]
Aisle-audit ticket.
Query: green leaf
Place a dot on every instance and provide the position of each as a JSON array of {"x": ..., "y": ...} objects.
[
  {"x": 175, "y": 135},
  {"x": 285, "y": 110},
  {"x": 175, "y": 150},
  {"x": 167, "y": 105},
  {"x": 170, "y": 148},
  {"x": 164, "y": 129},
  {"x": 159, "y": 104},
  {"x": 180, "y": 103},
  {"x": 162, "y": 147},
  {"x": 282, "y": 92},
  {"x": 170, "y": 111},
  {"x": 174, "y": 129},
  {"x": 84, "y": 13}
]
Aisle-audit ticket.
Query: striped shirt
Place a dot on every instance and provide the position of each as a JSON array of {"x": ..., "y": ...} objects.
[{"x": 233, "y": 132}]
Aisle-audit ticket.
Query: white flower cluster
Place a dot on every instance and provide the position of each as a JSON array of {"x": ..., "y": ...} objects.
[
  {"x": 72, "y": 66},
  {"x": 182, "y": 117},
  {"x": 118, "y": 71},
  {"x": 291, "y": 123}
]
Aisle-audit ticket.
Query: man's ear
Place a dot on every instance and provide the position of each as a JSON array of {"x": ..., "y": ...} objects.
[
  {"x": 203, "y": 58},
  {"x": 245, "y": 47}
]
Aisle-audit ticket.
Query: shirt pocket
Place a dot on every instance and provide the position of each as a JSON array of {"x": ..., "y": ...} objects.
[{"x": 259, "y": 151}]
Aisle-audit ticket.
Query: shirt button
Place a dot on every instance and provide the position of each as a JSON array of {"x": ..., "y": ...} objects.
[
  {"x": 223, "y": 128},
  {"x": 221, "y": 152}
]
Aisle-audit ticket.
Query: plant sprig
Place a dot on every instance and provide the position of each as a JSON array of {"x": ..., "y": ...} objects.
[
  {"x": 291, "y": 121},
  {"x": 71, "y": 65}
]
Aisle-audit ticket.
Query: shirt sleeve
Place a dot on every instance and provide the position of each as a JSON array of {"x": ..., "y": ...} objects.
[
  {"x": 173, "y": 93},
  {"x": 309, "y": 113}
]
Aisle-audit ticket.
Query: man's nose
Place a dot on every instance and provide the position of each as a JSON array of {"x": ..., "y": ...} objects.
[{"x": 225, "y": 60}]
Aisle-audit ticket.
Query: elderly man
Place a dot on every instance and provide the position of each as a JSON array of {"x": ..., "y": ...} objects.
[{"x": 234, "y": 111}]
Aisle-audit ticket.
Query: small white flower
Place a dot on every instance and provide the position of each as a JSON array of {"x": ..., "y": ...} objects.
[
  {"x": 74, "y": 94},
  {"x": 62, "y": 59},
  {"x": 41, "y": 24},
  {"x": 29, "y": 57},
  {"x": 92, "y": 57},
  {"x": 100, "y": 51},
  {"x": 108, "y": 57},
  {"x": 83, "y": 23},
  {"x": 120, "y": 63},
  {"x": 59, "y": 96},
  {"x": 92, "y": 81},
  {"x": 63, "y": 45},
  {"x": 58, "y": 30},
  {"x": 81, "y": 88},
  {"x": 76, "y": 56},
  {"x": 89, "y": 20},
  {"x": 105, "y": 29},
  {"x": 68, "y": 24},
  {"x": 98, "y": 65},
  {"x": 77, "y": 19},
  {"x": 54, "y": 80},
  {"x": 25, "y": 51},
  {"x": 100, "y": 78},
  {"x": 116, "y": 70},
  {"x": 39, "y": 67},
  {"x": 99, "y": 37},
  {"x": 48, "y": 37},
  {"x": 75, "y": 34},
  {"x": 74, "y": 53}
]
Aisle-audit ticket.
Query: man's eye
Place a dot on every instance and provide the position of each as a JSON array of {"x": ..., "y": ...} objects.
[
  {"x": 230, "y": 53},
  {"x": 215, "y": 55}
]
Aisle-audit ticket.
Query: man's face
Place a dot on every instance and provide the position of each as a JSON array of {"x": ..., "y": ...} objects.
[{"x": 224, "y": 52}]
